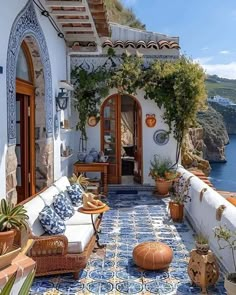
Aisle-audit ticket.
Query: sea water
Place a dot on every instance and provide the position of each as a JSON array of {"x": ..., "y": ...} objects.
[{"x": 223, "y": 175}]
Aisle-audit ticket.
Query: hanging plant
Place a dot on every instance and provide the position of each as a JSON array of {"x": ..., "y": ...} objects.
[
  {"x": 127, "y": 77},
  {"x": 90, "y": 87},
  {"x": 179, "y": 88}
]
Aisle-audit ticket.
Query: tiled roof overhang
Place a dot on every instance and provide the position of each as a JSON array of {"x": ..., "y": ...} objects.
[{"x": 141, "y": 44}]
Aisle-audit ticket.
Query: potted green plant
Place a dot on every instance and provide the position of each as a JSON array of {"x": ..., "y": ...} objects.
[
  {"x": 179, "y": 196},
  {"x": 201, "y": 243},
  {"x": 12, "y": 218},
  {"x": 162, "y": 172},
  {"x": 226, "y": 238}
]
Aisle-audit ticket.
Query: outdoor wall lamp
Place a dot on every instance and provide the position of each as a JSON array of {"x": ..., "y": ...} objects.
[{"x": 62, "y": 97}]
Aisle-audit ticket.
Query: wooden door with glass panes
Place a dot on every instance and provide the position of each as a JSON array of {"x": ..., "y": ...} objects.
[
  {"x": 25, "y": 146},
  {"x": 110, "y": 141},
  {"x": 137, "y": 143}
]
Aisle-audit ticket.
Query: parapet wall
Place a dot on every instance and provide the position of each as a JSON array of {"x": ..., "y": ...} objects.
[{"x": 202, "y": 214}]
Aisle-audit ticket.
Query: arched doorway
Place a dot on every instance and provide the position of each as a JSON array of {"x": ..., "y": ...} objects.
[
  {"x": 25, "y": 124},
  {"x": 26, "y": 27},
  {"x": 121, "y": 138}
]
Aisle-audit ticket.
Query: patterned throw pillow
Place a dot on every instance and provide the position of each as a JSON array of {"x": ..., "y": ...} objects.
[
  {"x": 75, "y": 193},
  {"x": 63, "y": 206},
  {"x": 51, "y": 222}
]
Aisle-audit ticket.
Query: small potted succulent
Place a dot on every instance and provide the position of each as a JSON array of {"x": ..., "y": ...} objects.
[
  {"x": 12, "y": 218},
  {"x": 226, "y": 238},
  {"x": 163, "y": 173},
  {"x": 201, "y": 243},
  {"x": 179, "y": 196}
]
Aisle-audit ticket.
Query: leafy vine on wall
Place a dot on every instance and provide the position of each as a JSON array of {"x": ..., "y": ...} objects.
[{"x": 177, "y": 86}]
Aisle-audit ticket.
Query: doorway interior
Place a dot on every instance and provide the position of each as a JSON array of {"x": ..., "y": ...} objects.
[{"x": 121, "y": 139}]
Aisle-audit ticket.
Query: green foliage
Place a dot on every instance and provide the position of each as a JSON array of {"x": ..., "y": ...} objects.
[
  {"x": 25, "y": 288},
  {"x": 161, "y": 168},
  {"x": 180, "y": 190},
  {"x": 7, "y": 288},
  {"x": 201, "y": 239},
  {"x": 90, "y": 87},
  {"x": 12, "y": 216},
  {"x": 226, "y": 238},
  {"x": 124, "y": 16},
  {"x": 127, "y": 78},
  {"x": 177, "y": 86}
]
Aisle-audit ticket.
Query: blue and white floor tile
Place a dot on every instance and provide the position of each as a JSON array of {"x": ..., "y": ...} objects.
[{"x": 133, "y": 218}]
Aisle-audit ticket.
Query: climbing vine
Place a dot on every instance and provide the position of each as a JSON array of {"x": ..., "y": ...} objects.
[{"x": 177, "y": 86}]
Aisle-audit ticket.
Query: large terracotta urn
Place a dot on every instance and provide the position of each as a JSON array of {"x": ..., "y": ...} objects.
[
  {"x": 203, "y": 269},
  {"x": 152, "y": 255}
]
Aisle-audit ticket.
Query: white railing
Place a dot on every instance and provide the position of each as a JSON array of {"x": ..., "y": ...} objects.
[{"x": 201, "y": 212}]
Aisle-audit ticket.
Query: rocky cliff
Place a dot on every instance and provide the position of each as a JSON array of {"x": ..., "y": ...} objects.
[
  {"x": 215, "y": 135},
  {"x": 229, "y": 116},
  {"x": 192, "y": 151},
  {"x": 205, "y": 143}
]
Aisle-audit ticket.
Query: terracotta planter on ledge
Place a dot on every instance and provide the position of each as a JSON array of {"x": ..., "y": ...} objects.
[
  {"x": 6, "y": 240},
  {"x": 163, "y": 186},
  {"x": 176, "y": 211}
]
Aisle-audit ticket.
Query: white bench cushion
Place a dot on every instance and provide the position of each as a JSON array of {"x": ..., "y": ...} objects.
[
  {"x": 78, "y": 237},
  {"x": 62, "y": 183},
  {"x": 33, "y": 208},
  {"x": 80, "y": 218},
  {"x": 47, "y": 196}
]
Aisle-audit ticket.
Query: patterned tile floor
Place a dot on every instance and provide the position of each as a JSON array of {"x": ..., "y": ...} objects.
[{"x": 133, "y": 218}]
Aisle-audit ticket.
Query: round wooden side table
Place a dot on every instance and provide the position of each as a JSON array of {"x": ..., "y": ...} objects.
[{"x": 91, "y": 212}]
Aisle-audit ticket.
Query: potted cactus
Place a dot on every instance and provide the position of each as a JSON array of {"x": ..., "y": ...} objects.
[
  {"x": 226, "y": 238},
  {"x": 12, "y": 218}
]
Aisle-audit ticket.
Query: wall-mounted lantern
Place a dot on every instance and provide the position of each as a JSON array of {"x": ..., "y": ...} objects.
[{"x": 63, "y": 96}]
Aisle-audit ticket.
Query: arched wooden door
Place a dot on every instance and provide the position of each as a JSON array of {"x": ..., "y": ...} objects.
[
  {"x": 25, "y": 126},
  {"x": 111, "y": 138}
]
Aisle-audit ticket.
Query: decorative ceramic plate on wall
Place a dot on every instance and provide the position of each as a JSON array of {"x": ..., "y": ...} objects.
[
  {"x": 161, "y": 137},
  {"x": 92, "y": 121}
]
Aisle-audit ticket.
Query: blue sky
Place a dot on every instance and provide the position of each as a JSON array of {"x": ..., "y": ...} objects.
[{"x": 206, "y": 28}]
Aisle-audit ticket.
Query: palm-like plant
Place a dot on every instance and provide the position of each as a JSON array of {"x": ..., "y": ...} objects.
[{"x": 12, "y": 217}]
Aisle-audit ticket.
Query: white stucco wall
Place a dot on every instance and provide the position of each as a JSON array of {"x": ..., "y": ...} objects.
[
  {"x": 57, "y": 54},
  {"x": 150, "y": 148},
  {"x": 202, "y": 215}
]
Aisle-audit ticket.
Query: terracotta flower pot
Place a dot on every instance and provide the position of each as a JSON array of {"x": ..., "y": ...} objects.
[
  {"x": 176, "y": 211},
  {"x": 6, "y": 240},
  {"x": 230, "y": 284},
  {"x": 163, "y": 187}
]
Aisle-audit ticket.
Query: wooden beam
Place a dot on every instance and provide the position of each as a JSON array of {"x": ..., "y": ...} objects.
[
  {"x": 77, "y": 29},
  {"x": 69, "y": 13},
  {"x": 80, "y": 37},
  {"x": 73, "y": 21},
  {"x": 64, "y": 4}
]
